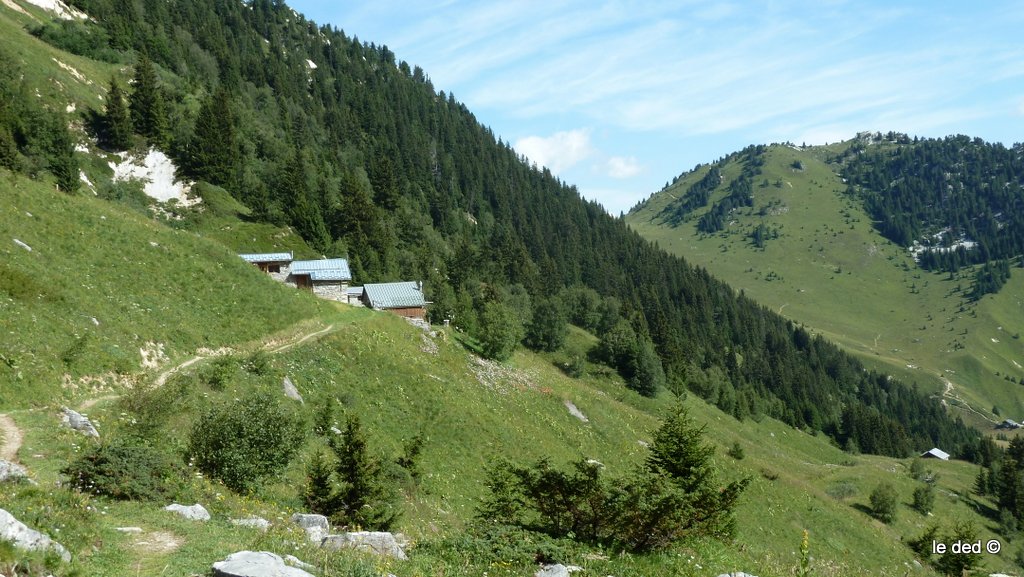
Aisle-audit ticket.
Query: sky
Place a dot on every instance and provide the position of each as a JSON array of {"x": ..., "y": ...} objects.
[{"x": 619, "y": 97}]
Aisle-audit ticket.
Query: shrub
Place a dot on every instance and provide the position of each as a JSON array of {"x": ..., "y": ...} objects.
[
  {"x": 499, "y": 332},
  {"x": 576, "y": 367},
  {"x": 883, "y": 502},
  {"x": 736, "y": 451},
  {"x": 124, "y": 470},
  {"x": 257, "y": 363},
  {"x": 670, "y": 497},
  {"x": 219, "y": 372},
  {"x": 499, "y": 545},
  {"x": 924, "y": 498},
  {"x": 244, "y": 442}
]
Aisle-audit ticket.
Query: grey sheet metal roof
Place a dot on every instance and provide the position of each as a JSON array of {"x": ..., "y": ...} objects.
[
  {"x": 937, "y": 453},
  {"x": 326, "y": 269},
  {"x": 267, "y": 257},
  {"x": 395, "y": 295}
]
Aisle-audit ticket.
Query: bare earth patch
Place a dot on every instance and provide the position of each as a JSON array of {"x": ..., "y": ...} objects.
[
  {"x": 12, "y": 438},
  {"x": 159, "y": 542},
  {"x": 501, "y": 379}
]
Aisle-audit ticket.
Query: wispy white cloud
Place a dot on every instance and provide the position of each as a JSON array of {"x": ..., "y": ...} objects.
[
  {"x": 558, "y": 152},
  {"x": 689, "y": 72},
  {"x": 623, "y": 167}
]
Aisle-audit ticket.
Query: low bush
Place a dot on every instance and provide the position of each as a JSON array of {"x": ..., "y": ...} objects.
[
  {"x": 883, "y": 502},
  {"x": 671, "y": 497},
  {"x": 126, "y": 470},
  {"x": 246, "y": 441}
]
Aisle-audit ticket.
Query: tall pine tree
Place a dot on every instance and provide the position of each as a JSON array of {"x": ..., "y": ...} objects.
[
  {"x": 148, "y": 110},
  {"x": 212, "y": 151},
  {"x": 117, "y": 122}
]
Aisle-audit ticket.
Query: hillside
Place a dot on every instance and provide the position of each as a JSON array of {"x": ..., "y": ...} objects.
[
  {"x": 403, "y": 382},
  {"x": 822, "y": 261},
  {"x": 141, "y": 315}
]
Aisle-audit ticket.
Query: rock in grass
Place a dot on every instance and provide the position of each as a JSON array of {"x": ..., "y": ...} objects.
[
  {"x": 13, "y": 473},
  {"x": 22, "y": 537},
  {"x": 254, "y": 522},
  {"x": 194, "y": 512},
  {"x": 290, "y": 390},
  {"x": 78, "y": 422},
  {"x": 556, "y": 570},
  {"x": 736, "y": 574},
  {"x": 316, "y": 526},
  {"x": 256, "y": 564},
  {"x": 296, "y": 562},
  {"x": 377, "y": 542}
]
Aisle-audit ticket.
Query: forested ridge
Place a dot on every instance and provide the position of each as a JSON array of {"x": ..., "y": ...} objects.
[
  {"x": 356, "y": 151},
  {"x": 961, "y": 198}
]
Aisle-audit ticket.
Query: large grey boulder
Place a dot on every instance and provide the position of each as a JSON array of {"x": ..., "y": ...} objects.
[
  {"x": 377, "y": 542},
  {"x": 290, "y": 391},
  {"x": 316, "y": 526},
  {"x": 78, "y": 422},
  {"x": 18, "y": 533},
  {"x": 194, "y": 512},
  {"x": 13, "y": 473},
  {"x": 256, "y": 564}
]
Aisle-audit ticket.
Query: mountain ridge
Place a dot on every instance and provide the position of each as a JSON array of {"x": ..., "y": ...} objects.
[
  {"x": 485, "y": 246},
  {"x": 822, "y": 261}
]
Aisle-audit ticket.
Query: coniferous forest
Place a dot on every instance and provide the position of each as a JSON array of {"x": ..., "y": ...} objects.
[
  {"x": 959, "y": 197},
  {"x": 359, "y": 153}
]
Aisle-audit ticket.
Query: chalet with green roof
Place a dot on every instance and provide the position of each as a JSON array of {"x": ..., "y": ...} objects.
[
  {"x": 326, "y": 278},
  {"x": 402, "y": 298}
]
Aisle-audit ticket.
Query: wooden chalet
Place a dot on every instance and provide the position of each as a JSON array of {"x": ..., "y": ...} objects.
[{"x": 402, "y": 298}]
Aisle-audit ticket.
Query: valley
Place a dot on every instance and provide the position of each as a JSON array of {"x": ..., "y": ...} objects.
[
  {"x": 560, "y": 341},
  {"x": 830, "y": 270}
]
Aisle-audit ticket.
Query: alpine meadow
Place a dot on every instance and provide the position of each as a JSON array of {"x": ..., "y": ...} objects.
[{"x": 746, "y": 373}]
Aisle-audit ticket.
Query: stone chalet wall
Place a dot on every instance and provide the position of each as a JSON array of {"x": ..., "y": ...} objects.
[
  {"x": 335, "y": 291},
  {"x": 283, "y": 275}
]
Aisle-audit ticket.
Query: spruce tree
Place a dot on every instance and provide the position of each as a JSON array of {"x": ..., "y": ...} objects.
[
  {"x": 366, "y": 499},
  {"x": 117, "y": 121},
  {"x": 212, "y": 153},
  {"x": 148, "y": 110},
  {"x": 61, "y": 155}
]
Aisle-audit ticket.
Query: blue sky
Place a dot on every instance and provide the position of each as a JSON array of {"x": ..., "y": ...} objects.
[{"x": 619, "y": 97}]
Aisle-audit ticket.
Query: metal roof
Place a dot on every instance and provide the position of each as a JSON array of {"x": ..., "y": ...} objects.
[
  {"x": 937, "y": 453},
  {"x": 395, "y": 295},
  {"x": 323, "y": 269},
  {"x": 267, "y": 257}
]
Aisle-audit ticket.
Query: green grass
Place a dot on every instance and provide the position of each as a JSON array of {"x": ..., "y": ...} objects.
[
  {"x": 831, "y": 271},
  {"x": 376, "y": 366},
  {"x": 101, "y": 282}
]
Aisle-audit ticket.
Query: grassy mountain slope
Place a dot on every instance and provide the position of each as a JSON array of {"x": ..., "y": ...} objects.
[
  {"x": 830, "y": 270},
  {"x": 385, "y": 371},
  {"x": 167, "y": 282},
  {"x": 101, "y": 282}
]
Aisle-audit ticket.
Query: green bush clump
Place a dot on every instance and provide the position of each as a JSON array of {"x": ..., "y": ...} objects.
[
  {"x": 246, "y": 441},
  {"x": 883, "y": 502},
  {"x": 671, "y": 497},
  {"x": 219, "y": 373},
  {"x": 496, "y": 544},
  {"x": 924, "y": 498},
  {"x": 126, "y": 470}
]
